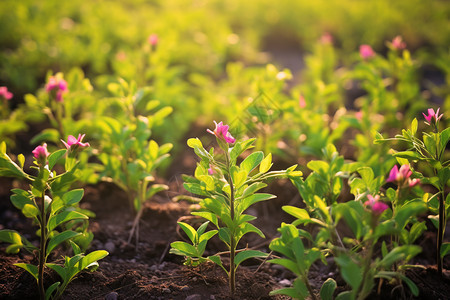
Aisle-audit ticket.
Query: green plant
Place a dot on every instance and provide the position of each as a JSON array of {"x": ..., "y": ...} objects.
[
  {"x": 430, "y": 151},
  {"x": 130, "y": 159},
  {"x": 228, "y": 189},
  {"x": 50, "y": 206}
]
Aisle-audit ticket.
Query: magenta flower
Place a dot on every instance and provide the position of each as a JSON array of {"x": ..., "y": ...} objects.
[
  {"x": 398, "y": 43},
  {"x": 375, "y": 204},
  {"x": 153, "y": 39},
  {"x": 365, "y": 51},
  {"x": 432, "y": 115},
  {"x": 402, "y": 176},
  {"x": 399, "y": 175},
  {"x": 57, "y": 85},
  {"x": 74, "y": 143},
  {"x": 4, "y": 93},
  {"x": 221, "y": 132},
  {"x": 211, "y": 170},
  {"x": 41, "y": 153}
]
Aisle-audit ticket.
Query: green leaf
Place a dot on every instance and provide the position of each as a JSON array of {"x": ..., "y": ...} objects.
[
  {"x": 72, "y": 197},
  {"x": 208, "y": 216},
  {"x": 445, "y": 249},
  {"x": 319, "y": 166},
  {"x": 266, "y": 164},
  {"x": 224, "y": 235},
  {"x": 301, "y": 214},
  {"x": 21, "y": 159},
  {"x": 245, "y": 203},
  {"x": 62, "y": 272},
  {"x": 51, "y": 289},
  {"x": 216, "y": 259},
  {"x": 350, "y": 271},
  {"x": 414, "y": 127},
  {"x": 47, "y": 135},
  {"x": 91, "y": 258},
  {"x": 32, "y": 269},
  {"x": 347, "y": 295},
  {"x": 253, "y": 188},
  {"x": 288, "y": 264},
  {"x": 190, "y": 231},
  {"x": 399, "y": 253},
  {"x": 252, "y": 161},
  {"x": 410, "y": 155},
  {"x": 30, "y": 211},
  {"x": 19, "y": 200},
  {"x": 59, "y": 238},
  {"x": 65, "y": 216},
  {"x": 247, "y": 254},
  {"x": 184, "y": 249},
  {"x": 327, "y": 289},
  {"x": 54, "y": 157}
]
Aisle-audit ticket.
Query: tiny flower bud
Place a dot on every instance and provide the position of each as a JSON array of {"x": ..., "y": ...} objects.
[
  {"x": 4, "y": 93},
  {"x": 366, "y": 52},
  {"x": 153, "y": 39},
  {"x": 41, "y": 153},
  {"x": 374, "y": 203},
  {"x": 301, "y": 101},
  {"x": 398, "y": 43},
  {"x": 57, "y": 86}
]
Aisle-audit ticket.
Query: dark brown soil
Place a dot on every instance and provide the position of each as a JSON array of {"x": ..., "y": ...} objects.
[{"x": 151, "y": 272}]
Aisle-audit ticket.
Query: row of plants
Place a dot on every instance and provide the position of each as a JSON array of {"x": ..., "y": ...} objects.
[
  {"x": 132, "y": 123},
  {"x": 378, "y": 214}
]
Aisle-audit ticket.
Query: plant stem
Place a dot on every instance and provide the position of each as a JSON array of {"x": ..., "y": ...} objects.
[
  {"x": 42, "y": 248},
  {"x": 440, "y": 232},
  {"x": 232, "y": 234}
]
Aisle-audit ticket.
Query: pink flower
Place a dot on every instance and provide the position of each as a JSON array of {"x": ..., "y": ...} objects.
[
  {"x": 365, "y": 51},
  {"x": 41, "y": 153},
  {"x": 211, "y": 170},
  {"x": 4, "y": 93},
  {"x": 432, "y": 115},
  {"x": 398, "y": 43},
  {"x": 74, "y": 143},
  {"x": 359, "y": 115},
  {"x": 326, "y": 39},
  {"x": 153, "y": 39},
  {"x": 414, "y": 182},
  {"x": 378, "y": 207},
  {"x": 399, "y": 175},
  {"x": 375, "y": 204},
  {"x": 402, "y": 176},
  {"x": 221, "y": 132},
  {"x": 58, "y": 85},
  {"x": 301, "y": 101}
]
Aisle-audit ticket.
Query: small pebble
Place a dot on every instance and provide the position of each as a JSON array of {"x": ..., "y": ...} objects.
[
  {"x": 212, "y": 297},
  {"x": 167, "y": 291},
  {"x": 153, "y": 268},
  {"x": 194, "y": 297},
  {"x": 185, "y": 288},
  {"x": 112, "y": 296},
  {"x": 285, "y": 282}
]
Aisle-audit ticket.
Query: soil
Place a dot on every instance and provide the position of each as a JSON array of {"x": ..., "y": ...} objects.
[{"x": 148, "y": 271}]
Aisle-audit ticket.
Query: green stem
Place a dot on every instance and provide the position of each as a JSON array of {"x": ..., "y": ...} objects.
[
  {"x": 440, "y": 231},
  {"x": 232, "y": 273},
  {"x": 42, "y": 248}
]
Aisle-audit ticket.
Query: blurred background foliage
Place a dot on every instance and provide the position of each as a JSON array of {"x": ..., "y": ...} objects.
[
  {"x": 287, "y": 72},
  {"x": 199, "y": 36}
]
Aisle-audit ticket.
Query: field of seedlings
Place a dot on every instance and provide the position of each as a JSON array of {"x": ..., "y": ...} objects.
[{"x": 216, "y": 150}]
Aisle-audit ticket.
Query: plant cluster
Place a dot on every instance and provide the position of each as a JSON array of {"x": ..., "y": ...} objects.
[{"x": 53, "y": 207}]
